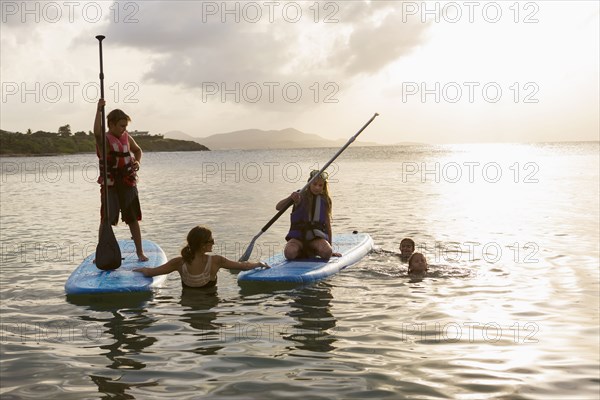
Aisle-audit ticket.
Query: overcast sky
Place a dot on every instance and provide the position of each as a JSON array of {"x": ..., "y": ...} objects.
[{"x": 437, "y": 72}]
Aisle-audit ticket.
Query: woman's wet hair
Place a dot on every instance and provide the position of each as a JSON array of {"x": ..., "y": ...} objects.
[{"x": 196, "y": 238}]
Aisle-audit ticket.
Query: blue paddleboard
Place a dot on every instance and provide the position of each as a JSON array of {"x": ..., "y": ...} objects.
[
  {"x": 88, "y": 279},
  {"x": 352, "y": 246}
]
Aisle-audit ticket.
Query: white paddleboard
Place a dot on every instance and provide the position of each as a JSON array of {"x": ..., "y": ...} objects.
[
  {"x": 88, "y": 279},
  {"x": 352, "y": 246}
]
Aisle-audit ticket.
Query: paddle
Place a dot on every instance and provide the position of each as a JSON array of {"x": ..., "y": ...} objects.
[
  {"x": 108, "y": 253},
  {"x": 248, "y": 251}
]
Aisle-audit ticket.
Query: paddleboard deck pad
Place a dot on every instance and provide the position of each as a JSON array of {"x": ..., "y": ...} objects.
[
  {"x": 88, "y": 279},
  {"x": 352, "y": 246}
]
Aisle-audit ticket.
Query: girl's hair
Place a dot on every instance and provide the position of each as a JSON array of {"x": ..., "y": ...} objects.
[
  {"x": 325, "y": 193},
  {"x": 197, "y": 237},
  {"x": 115, "y": 116}
]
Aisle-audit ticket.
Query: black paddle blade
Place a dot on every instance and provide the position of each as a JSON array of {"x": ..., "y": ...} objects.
[
  {"x": 247, "y": 253},
  {"x": 108, "y": 253}
]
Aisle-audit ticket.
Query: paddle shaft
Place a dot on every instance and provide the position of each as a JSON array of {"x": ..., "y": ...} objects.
[
  {"x": 327, "y": 164},
  {"x": 250, "y": 247},
  {"x": 104, "y": 160}
]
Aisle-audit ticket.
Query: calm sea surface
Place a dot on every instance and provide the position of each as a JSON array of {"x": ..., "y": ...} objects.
[{"x": 509, "y": 310}]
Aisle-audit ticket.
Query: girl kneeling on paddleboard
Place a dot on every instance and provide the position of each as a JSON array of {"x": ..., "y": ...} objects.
[
  {"x": 310, "y": 230},
  {"x": 196, "y": 268}
]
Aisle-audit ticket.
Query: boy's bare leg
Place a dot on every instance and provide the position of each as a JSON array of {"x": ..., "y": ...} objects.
[{"x": 136, "y": 234}]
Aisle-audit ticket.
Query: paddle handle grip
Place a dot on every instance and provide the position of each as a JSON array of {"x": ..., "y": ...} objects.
[{"x": 101, "y": 75}]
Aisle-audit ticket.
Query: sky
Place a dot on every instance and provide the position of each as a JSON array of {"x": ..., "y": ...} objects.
[{"x": 436, "y": 71}]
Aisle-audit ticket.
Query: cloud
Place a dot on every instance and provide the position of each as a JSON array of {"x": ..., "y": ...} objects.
[
  {"x": 373, "y": 46},
  {"x": 195, "y": 44}
]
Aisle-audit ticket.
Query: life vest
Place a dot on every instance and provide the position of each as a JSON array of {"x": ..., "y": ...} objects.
[
  {"x": 309, "y": 219},
  {"x": 118, "y": 161}
]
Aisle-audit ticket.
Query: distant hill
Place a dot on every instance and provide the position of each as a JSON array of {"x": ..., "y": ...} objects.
[
  {"x": 160, "y": 143},
  {"x": 289, "y": 138},
  {"x": 408, "y": 144}
]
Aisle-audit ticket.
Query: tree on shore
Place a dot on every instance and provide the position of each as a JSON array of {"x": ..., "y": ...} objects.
[{"x": 64, "y": 131}]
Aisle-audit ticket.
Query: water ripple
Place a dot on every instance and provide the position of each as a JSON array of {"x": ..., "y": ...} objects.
[{"x": 504, "y": 312}]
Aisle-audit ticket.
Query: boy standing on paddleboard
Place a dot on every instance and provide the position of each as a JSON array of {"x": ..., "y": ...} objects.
[{"x": 123, "y": 160}]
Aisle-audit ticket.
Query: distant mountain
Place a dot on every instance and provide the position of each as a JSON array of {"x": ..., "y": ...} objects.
[
  {"x": 408, "y": 144},
  {"x": 179, "y": 135},
  {"x": 289, "y": 138}
]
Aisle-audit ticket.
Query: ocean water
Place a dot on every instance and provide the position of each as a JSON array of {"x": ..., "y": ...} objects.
[{"x": 509, "y": 309}]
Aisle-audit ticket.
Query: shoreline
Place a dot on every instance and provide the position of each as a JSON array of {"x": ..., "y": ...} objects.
[
  {"x": 42, "y": 154},
  {"x": 87, "y": 152}
]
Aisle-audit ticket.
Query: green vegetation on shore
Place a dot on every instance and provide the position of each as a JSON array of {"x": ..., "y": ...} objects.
[{"x": 64, "y": 142}]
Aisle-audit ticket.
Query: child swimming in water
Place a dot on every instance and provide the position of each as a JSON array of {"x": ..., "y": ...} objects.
[
  {"x": 417, "y": 264},
  {"x": 407, "y": 247}
]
